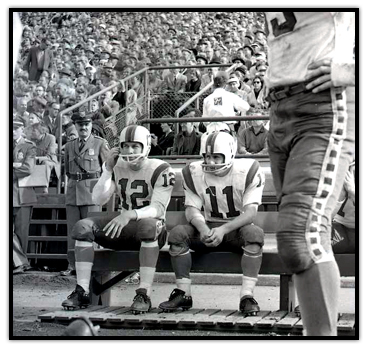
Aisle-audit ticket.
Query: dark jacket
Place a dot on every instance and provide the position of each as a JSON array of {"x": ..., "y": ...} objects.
[
  {"x": 164, "y": 142},
  {"x": 194, "y": 144}
]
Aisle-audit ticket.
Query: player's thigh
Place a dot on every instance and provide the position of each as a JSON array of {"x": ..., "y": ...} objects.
[{"x": 127, "y": 240}]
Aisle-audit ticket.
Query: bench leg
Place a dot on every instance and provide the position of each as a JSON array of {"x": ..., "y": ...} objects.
[
  {"x": 287, "y": 292},
  {"x": 105, "y": 297}
]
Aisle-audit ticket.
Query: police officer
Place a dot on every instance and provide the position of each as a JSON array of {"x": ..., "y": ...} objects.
[
  {"x": 84, "y": 157},
  {"x": 24, "y": 160}
]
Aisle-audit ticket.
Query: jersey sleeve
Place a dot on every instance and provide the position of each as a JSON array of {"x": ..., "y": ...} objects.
[
  {"x": 254, "y": 185},
  {"x": 162, "y": 189},
  {"x": 191, "y": 197}
]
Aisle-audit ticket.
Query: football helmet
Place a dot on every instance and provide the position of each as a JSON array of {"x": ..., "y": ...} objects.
[
  {"x": 135, "y": 133},
  {"x": 81, "y": 327},
  {"x": 219, "y": 142}
]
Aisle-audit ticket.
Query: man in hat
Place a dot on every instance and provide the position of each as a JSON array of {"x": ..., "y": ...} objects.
[
  {"x": 24, "y": 155},
  {"x": 84, "y": 157}
]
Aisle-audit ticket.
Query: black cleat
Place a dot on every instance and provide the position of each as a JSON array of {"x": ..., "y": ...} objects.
[
  {"x": 79, "y": 298},
  {"x": 141, "y": 302},
  {"x": 248, "y": 306},
  {"x": 177, "y": 300}
]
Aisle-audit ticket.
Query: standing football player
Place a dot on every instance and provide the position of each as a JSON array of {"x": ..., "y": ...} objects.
[
  {"x": 144, "y": 186},
  {"x": 230, "y": 191},
  {"x": 311, "y": 80}
]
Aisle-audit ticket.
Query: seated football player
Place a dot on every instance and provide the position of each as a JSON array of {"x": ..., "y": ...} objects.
[
  {"x": 230, "y": 191},
  {"x": 144, "y": 187}
]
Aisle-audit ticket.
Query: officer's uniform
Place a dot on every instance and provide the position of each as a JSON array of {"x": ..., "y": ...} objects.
[
  {"x": 83, "y": 168},
  {"x": 24, "y": 153}
]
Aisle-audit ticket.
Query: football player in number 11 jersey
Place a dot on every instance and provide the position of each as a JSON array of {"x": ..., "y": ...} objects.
[{"x": 230, "y": 191}]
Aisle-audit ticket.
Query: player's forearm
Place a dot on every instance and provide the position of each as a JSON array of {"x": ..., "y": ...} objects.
[
  {"x": 194, "y": 217},
  {"x": 104, "y": 188},
  {"x": 150, "y": 211}
]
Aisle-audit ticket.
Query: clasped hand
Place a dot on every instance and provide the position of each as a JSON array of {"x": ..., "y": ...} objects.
[{"x": 214, "y": 237}]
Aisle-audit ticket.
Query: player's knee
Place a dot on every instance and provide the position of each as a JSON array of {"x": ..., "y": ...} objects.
[
  {"x": 178, "y": 241},
  {"x": 83, "y": 230},
  {"x": 253, "y": 237},
  {"x": 296, "y": 258},
  {"x": 148, "y": 229}
]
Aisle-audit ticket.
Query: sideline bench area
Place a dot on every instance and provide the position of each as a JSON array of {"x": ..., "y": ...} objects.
[{"x": 108, "y": 261}]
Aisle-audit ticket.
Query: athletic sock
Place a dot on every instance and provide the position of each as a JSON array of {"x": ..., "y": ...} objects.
[
  {"x": 148, "y": 255},
  {"x": 184, "y": 285},
  {"x": 84, "y": 256},
  {"x": 248, "y": 285}
]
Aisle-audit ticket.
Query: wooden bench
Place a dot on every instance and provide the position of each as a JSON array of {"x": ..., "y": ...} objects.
[{"x": 108, "y": 261}]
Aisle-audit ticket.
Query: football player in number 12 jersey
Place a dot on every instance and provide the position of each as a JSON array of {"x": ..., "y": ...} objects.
[
  {"x": 230, "y": 191},
  {"x": 144, "y": 186}
]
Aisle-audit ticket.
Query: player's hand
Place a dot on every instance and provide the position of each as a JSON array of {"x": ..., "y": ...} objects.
[
  {"x": 116, "y": 225},
  {"x": 320, "y": 72},
  {"x": 215, "y": 237},
  {"x": 154, "y": 140},
  {"x": 349, "y": 182},
  {"x": 204, "y": 235},
  {"x": 112, "y": 158}
]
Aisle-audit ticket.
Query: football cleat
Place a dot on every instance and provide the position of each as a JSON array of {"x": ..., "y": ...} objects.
[
  {"x": 79, "y": 298},
  {"x": 177, "y": 300},
  {"x": 248, "y": 306},
  {"x": 141, "y": 302}
]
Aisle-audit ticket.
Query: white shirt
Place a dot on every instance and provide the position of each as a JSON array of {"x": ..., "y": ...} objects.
[{"x": 223, "y": 103}]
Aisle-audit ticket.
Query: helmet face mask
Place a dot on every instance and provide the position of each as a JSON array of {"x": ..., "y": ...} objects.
[
  {"x": 214, "y": 144},
  {"x": 139, "y": 135}
]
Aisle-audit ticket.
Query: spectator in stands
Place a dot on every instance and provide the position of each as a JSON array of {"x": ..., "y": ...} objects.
[
  {"x": 51, "y": 120},
  {"x": 174, "y": 81},
  {"x": 223, "y": 103},
  {"x": 154, "y": 82},
  {"x": 45, "y": 149},
  {"x": 40, "y": 91},
  {"x": 233, "y": 86},
  {"x": 24, "y": 153},
  {"x": 188, "y": 140},
  {"x": 253, "y": 139},
  {"x": 22, "y": 113},
  {"x": 39, "y": 59},
  {"x": 256, "y": 97},
  {"x": 69, "y": 131},
  {"x": 194, "y": 80},
  {"x": 164, "y": 144}
]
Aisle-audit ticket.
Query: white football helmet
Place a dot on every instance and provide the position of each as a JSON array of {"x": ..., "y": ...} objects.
[
  {"x": 218, "y": 143},
  {"x": 135, "y": 133}
]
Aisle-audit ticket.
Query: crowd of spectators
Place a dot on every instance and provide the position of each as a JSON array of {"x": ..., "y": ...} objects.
[{"x": 66, "y": 57}]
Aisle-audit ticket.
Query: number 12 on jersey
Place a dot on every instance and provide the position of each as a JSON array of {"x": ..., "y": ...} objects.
[{"x": 228, "y": 191}]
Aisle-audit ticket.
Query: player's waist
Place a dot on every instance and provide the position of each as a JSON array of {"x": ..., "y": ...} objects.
[{"x": 281, "y": 92}]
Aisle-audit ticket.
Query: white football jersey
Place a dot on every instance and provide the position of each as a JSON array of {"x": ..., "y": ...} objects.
[
  {"x": 296, "y": 39},
  {"x": 223, "y": 198},
  {"x": 153, "y": 183}
]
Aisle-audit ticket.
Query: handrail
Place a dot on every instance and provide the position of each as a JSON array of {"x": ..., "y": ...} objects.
[
  {"x": 246, "y": 156},
  {"x": 202, "y": 91},
  {"x": 205, "y": 119},
  {"x": 108, "y": 88},
  {"x": 159, "y": 67}
]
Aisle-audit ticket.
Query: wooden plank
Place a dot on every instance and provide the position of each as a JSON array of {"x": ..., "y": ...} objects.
[
  {"x": 288, "y": 321},
  {"x": 177, "y": 316},
  {"x": 188, "y": 319},
  {"x": 250, "y": 321},
  {"x": 299, "y": 325},
  {"x": 120, "y": 314},
  {"x": 346, "y": 322},
  {"x": 220, "y": 316},
  {"x": 205, "y": 318},
  {"x": 153, "y": 317},
  {"x": 104, "y": 313},
  {"x": 231, "y": 320},
  {"x": 270, "y": 320}
]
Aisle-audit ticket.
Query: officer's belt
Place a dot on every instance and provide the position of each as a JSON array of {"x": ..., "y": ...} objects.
[
  {"x": 279, "y": 93},
  {"x": 81, "y": 176}
]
